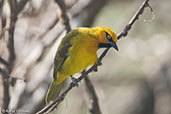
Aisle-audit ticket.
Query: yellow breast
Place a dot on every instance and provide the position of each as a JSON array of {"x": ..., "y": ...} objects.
[{"x": 81, "y": 54}]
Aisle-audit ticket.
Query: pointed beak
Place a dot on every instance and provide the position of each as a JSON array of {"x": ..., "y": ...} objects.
[{"x": 113, "y": 44}]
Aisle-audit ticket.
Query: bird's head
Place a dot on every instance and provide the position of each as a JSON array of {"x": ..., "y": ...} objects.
[{"x": 107, "y": 37}]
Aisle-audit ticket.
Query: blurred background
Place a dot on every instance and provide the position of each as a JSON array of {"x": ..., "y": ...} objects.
[{"x": 135, "y": 80}]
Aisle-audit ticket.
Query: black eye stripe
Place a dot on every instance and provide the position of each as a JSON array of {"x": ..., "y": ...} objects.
[{"x": 108, "y": 36}]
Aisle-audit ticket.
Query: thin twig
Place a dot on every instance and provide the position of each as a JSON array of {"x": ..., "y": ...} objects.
[
  {"x": 21, "y": 5},
  {"x": 133, "y": 19},
  {"x": 3, "y": 62},
  {"x": 6, "y": 98},
  {"x": 50, "y": 107},
  {"x": 4, "y": 73},
  {"x": 1, "y": 22},
  {"x": 64, "y": 14},
  {"x": 13, "y": 19},
  {"x": 95, "y": 108},
  {"x": 14, "y": 11},
  {"x": 10, "y": 46}
]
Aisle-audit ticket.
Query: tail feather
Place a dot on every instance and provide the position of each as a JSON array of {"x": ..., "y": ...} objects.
[{"x": 53, "y": 92}]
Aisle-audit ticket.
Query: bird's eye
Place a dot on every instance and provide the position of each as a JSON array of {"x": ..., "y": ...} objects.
[{"x": 108, "y": 36}]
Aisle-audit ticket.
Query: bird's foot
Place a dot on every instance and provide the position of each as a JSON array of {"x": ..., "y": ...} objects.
[{"x": 75, "y": 81}]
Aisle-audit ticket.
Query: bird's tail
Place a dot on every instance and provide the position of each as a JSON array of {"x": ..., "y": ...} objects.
[{"x": 53, "y": 91}]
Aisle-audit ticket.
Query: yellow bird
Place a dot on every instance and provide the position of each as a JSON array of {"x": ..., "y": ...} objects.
[{"x": 76, "y": 51}]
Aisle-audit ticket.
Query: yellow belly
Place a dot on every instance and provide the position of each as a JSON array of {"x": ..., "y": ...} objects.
[
  {"x": 78, "y": 62},
  {"x": 79, "y": 58}
]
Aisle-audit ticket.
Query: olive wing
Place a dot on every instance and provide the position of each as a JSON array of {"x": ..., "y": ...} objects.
[{"x": 62, "y": 52}]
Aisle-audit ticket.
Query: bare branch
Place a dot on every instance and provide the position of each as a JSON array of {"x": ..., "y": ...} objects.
[
  {"x": 6, "y": 97},
  {"x": 10, "y": 45},
  {"x": 21, "y": 5},
  {"x": 50, "y": 107},
  {"x": 95, "y": 108},
  {"x": 15, "y": 8},
  {"x": 133, "y": 19},
  {"x": 3, "y": 62},
  {"x": 13, "y": 19},
  {"x": 64, "y": 15},
  {"x": 1, "y": 25},
  {"x": 4, "y": 73}
]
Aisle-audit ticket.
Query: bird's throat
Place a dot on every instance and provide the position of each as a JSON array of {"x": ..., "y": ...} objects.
[{"x": 104, "y": 45}]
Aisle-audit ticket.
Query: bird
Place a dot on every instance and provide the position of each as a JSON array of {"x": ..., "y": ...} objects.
[{"x": 78, "y": 50}]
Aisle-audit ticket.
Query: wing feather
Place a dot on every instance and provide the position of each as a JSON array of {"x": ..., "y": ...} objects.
[{"x": 62, "y": 52}]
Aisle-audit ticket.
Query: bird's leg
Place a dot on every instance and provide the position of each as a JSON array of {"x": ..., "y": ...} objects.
[{"x": 75, "y": 81}]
